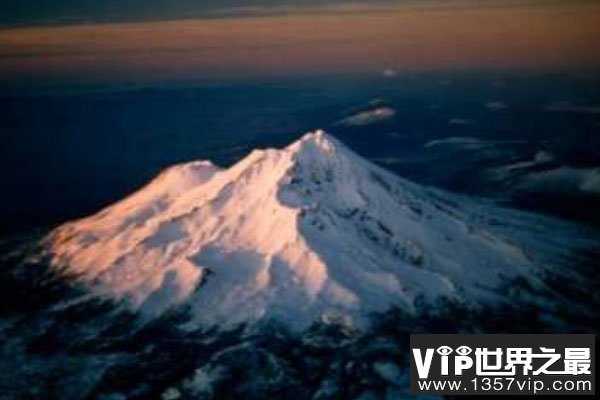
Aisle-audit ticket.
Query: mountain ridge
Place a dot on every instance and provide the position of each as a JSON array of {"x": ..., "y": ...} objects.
[{"x": 309, "y": 232}]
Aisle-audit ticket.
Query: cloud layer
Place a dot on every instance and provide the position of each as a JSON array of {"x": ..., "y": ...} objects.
[{"x": 368, "y": 117}]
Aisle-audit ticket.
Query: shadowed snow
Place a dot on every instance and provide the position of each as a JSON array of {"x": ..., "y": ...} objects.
[{"x": 307, "y": 232}]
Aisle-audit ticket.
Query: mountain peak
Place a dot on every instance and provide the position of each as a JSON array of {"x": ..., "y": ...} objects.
[
  {"x": 316, "y": 141},
  {"x": 317, "y": 136},
  {"x": 308, "y": 232}
]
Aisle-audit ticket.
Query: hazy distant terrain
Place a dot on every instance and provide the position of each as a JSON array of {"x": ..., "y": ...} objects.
[{"x": 530, "y": 140}]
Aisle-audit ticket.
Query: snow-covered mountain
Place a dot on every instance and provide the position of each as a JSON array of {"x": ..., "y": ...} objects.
[{"x": 309, "y": 232}]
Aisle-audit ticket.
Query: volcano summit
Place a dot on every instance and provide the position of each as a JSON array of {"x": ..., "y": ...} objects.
[{"x": 309, "y": 232}]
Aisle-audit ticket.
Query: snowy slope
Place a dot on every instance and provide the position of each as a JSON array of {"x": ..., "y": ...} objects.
[{"x": 311, "y": 231}]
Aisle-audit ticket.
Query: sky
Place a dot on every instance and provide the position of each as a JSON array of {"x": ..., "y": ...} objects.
[
  {"x": 19, "y": 12},
  {"x": 56, "y": 12},
  {"x": 126, "y": 40}
]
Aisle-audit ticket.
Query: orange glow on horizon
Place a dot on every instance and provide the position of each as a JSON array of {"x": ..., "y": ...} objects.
[{"x": 400, "y": 38}]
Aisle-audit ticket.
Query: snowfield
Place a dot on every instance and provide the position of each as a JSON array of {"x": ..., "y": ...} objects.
[{"x": 311, "y": 232}]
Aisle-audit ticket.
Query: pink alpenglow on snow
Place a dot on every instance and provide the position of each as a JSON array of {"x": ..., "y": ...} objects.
[{"x": 308, "y": 232}]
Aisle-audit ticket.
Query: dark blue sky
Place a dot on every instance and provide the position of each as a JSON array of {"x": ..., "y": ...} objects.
[
  {"x": 56, "y": 12},
  {"x": 63, "y": 11}
]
